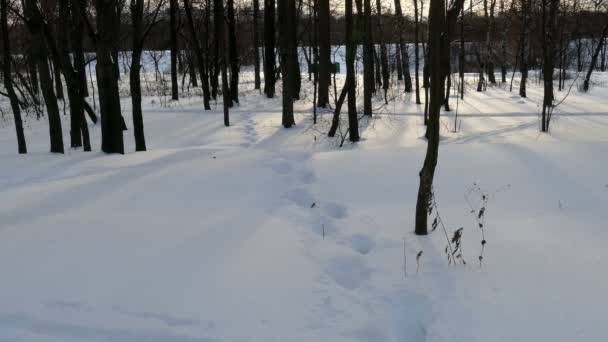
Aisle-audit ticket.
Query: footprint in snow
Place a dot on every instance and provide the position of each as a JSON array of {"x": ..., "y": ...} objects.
[
  {"x": 348, "y": 272},
  {"x": 361, "y": 243},
  {"x": 300, "y": 197}
]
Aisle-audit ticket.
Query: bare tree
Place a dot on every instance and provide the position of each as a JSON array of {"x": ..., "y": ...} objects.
[
  {"x": 8, "y": 78},
  {"x": 269, "y": 40}
]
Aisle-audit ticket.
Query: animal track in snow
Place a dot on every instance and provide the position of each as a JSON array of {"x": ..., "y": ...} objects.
[
  {"x": 300, "y": 197},
  {"x": 361, "y": 243},
  {"x": 348, "y": 272}
]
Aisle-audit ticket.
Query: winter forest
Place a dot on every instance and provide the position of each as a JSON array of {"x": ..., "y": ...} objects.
[{"x": 303, "y": 170}]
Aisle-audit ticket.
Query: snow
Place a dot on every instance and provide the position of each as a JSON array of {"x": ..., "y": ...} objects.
[{"x": 260, "y": 233}]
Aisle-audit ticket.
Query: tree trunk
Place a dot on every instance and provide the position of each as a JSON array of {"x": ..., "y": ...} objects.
[
  {"x": 287, "y": 9},
  {"x": 594, "y": 58},
  {"x": 256, "y": 44},
  {"x": 524, "y": 47},
  {"x": 269, "y": 40},
  {"x": 233, "y": 53},
  {"x": 107, "y": 81},
  {"x": 425, "y": 191},
  {"x": 549, "y": 23},
  {"x": 368, "y": 58},
  {"x": 137, "y": 14},
  {"x": 8, "y": 80},
  {"x": 324, "y": 67},
  {"x": 71, "y": 26},
  {"x": 173, "y": 13},
  {"x": 40, "y": 56},
  {"x": 200, "y": 57},
  {"x": 416, "y": 51},
  {"x": 383, "y": 53},
  {"x": 220, "y": 37},
  {"x": 402, "y": 51},
  {"x": 351, "y": 50}
]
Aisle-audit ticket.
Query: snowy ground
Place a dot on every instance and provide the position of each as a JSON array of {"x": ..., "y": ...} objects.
[{"x": 258, "y": 233}]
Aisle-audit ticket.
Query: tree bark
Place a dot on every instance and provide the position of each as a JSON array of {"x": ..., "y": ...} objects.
[
  {"x": 594, "y": 58},
  {"x": 324, "y": 67},
  {"x": 287, "y": 9},
  {"x": 173, "y": 13},
  {"x": 200, "y": 57},
  {"x": 269, "y": 42},
  {"x": 256, "y": 44},
  {"x": 220, "y": 37},
  {"x": 416, "y": 51},
  {"x": 8, "y": 80},
  {"x": 351, "y": 50},
  {"x": 107, "y": 81},
  {"x": 233, "y": 53},
  {"x": 40, "y": 55}
]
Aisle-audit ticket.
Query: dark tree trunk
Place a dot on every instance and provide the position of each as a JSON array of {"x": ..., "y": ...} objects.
[
  {"x": 40, "y": 54},
  {"x": 200, "y": 57},
  {"x": 173, "y": 13},
  {"x": 57, "y": 79},
  {"x": 383, "y": 53},
  {"x": 550, "y": 8},
  {"x": 71, "y": 26},
  {"x": 524, "y": 48},
  {"x": 269, "y": 40},
  {"x": 425, "y": 191},
  {"x": 441, "y": 23},
  {"x": 233, "y": 53},
  {"x": 461, "y": 56},
  {"x": 368, "y": 58},
  {"x": 402, "y": 51},
  {"x": 351, "y": 51},
  {"x": 33, "y": 74},
  {"x": 137, "y": 14},
  {"x": 256, "y": 44},
  {"x": 596, "y": 53},
  {"x": 192, "y": 68},
  {"x": 220, "y": 37},
  {"x": 8, "y": 80},
  {"x": 287, "y": 11},
  {"x": 107, "y": 82},
  {"x": 324, "y": 67},
  {"x": 416, "y": 51}
]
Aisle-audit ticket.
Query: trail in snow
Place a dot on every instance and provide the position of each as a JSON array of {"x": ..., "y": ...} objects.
[{"x": 259, "y": 233}]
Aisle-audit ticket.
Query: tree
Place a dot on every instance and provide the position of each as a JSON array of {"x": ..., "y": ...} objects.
[
  {"x": 220, "y": 38},
  {"x": 288, "y": 50},
  {"x": 8, "y": 80},
  {"x": 324, "y": 68},
  {"x": 596, "y": 53},
  {"x": 200, "y": 57},
  {"x": 71, "y": 26},
  {"x": 549, "y": 22},
  {"x": 441, "y": 23},
  {"x": 269, "y": 60},
  {"x": 233, "y": 53},
  {"x": 368, "y": 58},
  {"x": 523, "y": 42},
  {"x": 383, "y": 52},
  {"x": 416, "y": 51},
  {"x": 107, "y": 79},
  {"x": 256, "y": 44},
  {"x": 40, "y": 55},
  {"x": 402, "y": 52},
  {"x": 139, "y": 36},
  {"x": 350, "y": 84},
  {"x": 173, "y": 13}
]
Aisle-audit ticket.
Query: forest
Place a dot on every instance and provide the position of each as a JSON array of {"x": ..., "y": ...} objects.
[{"x": 297, "y": 170}]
